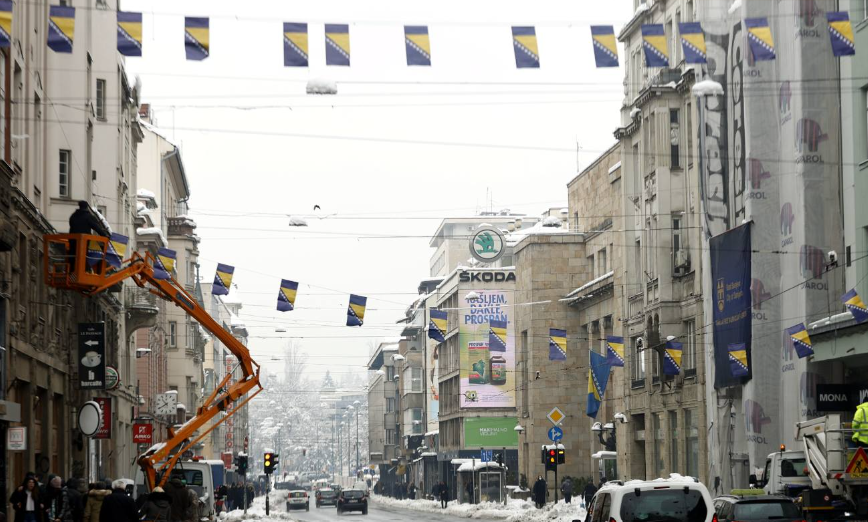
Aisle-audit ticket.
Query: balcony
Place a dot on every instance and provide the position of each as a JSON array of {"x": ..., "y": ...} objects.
[
  {"x": 592, "y": 291},
  {"x": 141, "y": 308},
  {"x": 181, "y": 226}
]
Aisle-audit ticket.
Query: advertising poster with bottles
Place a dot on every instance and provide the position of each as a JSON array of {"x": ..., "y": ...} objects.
[{"x": 487, "y": 376}]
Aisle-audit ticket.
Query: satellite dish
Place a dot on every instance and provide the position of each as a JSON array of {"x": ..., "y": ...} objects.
[{"x": 90, "y": 418}]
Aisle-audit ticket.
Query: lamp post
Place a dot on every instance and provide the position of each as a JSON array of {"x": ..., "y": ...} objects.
[{"x": 357, "y": 405}]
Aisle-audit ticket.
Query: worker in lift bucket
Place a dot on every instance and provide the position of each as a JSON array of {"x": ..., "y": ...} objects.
[
  {"x": 860, "y": 425},
  {"x": 83, "y": 221}
]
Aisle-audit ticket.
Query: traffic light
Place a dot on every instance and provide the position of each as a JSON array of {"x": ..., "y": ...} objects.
[
  {"x": 269, "y": 463},
  {"x": 562, "y": 456},
  {"x": 241, "y": 464},
  {"x": 551, "y": 461},
  {"x": 275, "y": 460}
]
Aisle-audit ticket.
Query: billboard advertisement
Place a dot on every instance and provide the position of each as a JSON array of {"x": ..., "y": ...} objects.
[
  {"x": 432, "y": 378},
  {"x": 487, "y": 372},
  {"x": 490, "y": 432}
]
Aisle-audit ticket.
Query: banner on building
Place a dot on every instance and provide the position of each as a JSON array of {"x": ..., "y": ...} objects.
[
  {"x": 760, "y": 40},
  {"x": 337, "y": 38},
  {"x": 418, "y": 45},
  {"x": 5, "y": 23},
  {"x": 841, "y": 33},
  {"x": 487, "y": 378},
  {"x": 654, "y": 45},
  {"x": 164, "y": 263},
  {"x": 730, "y": 276},
  {"x": 105, "y": 429},
  {"x": 672, "y": 358},
  {"x": 605, "y": 45},
  {"x": 437, "y": 326},
  {"x": 61, "y": 28},
  {"x": 490, "y": 432},
  {"x": 801, "y": 340},
  {"x": 116, "y": 250},
  {"x": 614, "y": 351},
  {"x": 854, "y": 304},
  {"x": 222, "y": 279},
  {"x": 91, "y": 356},
  {"x": 356, "y": 310},
  {"x": 598, "y": 378},
  {"x": 693, "y": 42},
  {"x": 197, "y": 38},
  {"x": 286, "y": 295},
  {"x": 557, "y": 344},
  {"x": 130, "y": 33},
  {"x": 295, "y": 45},
  {"x": 497, "y": 336},
  {"x": 526, "y": 48}
]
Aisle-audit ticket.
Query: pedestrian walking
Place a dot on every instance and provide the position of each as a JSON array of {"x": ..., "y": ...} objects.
[
  {"x": 567, "y": 489},
  {"x": 27, "y": 502},
  {"x": 72, "y": 509},
  {"x": 158, "y": 507},
  {"x": 56, "y": 498},
  {"x": 118, "y": 506},
  {"x": 93, "y": 503},
  {"x": 411, "y": 492},
  {"x": 468, "y": 492},
  {"x": 193, "y": 512},
  {"x": 589, "y": 492},
  {"x": 177, "y": 490},
  {"x": 539, "y": 492},
  {"x": 443, "y": 494}
]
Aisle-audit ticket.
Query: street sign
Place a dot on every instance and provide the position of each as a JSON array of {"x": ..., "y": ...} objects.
[
  {"x": 143, "y": 433},
  {"x": 91, "y": 356},
  {"x": 105, "y": 429},
  {"x": 556, "y": 434},
  {"x": 556, "y": 416},
  {"x": 112, "y": 378},
  {"x": 858, "y": 466},
  {"x": 16, "y": 439},
  {"x": 486, "y": 455}
]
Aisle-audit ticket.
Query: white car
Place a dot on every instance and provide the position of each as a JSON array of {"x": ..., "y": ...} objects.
[
  {"x": 676, "y": 499},
  {"x": 297, "y": 499}
]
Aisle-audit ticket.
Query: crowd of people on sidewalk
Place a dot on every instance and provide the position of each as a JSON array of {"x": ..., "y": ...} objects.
[{"x": 232, "y": 497}]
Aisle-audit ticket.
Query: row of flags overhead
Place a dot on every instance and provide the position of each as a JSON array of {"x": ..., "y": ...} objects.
[{"x": 61, "y": 35}]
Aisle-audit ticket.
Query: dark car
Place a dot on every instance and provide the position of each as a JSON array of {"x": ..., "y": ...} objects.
[
  {"x": 326, "y": 497},
  {"x": 352, "y": 500},
  {"x": 756, "y": 508}
]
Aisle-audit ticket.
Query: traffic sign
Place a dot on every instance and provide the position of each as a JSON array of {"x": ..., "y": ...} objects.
[
  {"x": 556, "y": 434},
  {"x": 556, "y": 416},
  {"x": 486, "y": 455},
  {"x": 858, "y": 466}
]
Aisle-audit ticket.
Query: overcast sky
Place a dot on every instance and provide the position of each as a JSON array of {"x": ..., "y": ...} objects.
[{"x": 257, "y": 149}]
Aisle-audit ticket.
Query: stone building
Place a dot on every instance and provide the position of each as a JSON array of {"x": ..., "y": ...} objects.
[
  {"x": 384, "y": 450},
  {"x": 666, "y": 428}
]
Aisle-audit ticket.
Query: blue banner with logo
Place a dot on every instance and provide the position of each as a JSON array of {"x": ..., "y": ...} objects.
[{"x": 730, "y": 288}]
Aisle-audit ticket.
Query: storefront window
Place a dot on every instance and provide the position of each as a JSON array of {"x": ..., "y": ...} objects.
[
  {"x": 673, "y": 437},
  {"x": 691, "y": 424},
  {"x": 659, "y": 445}
]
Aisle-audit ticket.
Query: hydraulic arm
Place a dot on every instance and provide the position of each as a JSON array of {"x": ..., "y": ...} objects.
[{"x": 77, "y": 262}]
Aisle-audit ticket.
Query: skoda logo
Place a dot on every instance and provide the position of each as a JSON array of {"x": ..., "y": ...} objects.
[{"x": 487, "y": 244}]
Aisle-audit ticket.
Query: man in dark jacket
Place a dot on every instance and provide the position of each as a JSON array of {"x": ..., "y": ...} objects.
[
  {"x": 72, "y": 507},
  {"x": 443, "y": 494},
  {"x": 118, "y": 507},
  {"x": 177, "y": 490},
  {"x": 589, "y": 492},
  {"x": 539, "y": 492},
  {"x": 158, "y": 507},
  {"x": 83, "y": 221},
  {"x": 567, "y": 489}
]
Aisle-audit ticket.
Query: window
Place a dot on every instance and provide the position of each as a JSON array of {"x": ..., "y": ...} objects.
[
  {"x": 173, "y": 334},
  {"x": 390, "y": 373},
  {"x": 416, "y": 380},
  {"x": 674, "y": 138},
  {"x": 637, "y": 363},
  {"x": 602, "y": 507},
  {"x": 390, "y": 437},
  {"x": 601, "y": 261},
  {"x": 414, "y": 418},
  {"x": 691, "y": 425},
  {"x": 690, "y": 348},
  {"x": 100, "y": 99},
  {"x": 673, "y": 442},
  {"x": 390, "y": 404},
  {"x": 688, "y": 129},
  {"x": 659, "y": 446},
  {"x": 591, "y": 267},
  {"x": 63, "y": 171}
]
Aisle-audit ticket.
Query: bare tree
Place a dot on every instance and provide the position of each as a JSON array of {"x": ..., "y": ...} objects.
[{"x": 294, "y": 365}]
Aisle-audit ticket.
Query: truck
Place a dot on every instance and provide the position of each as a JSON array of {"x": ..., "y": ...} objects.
[
  {"x": 89, "y": 265},
  {"x": 827, "y": 476}
]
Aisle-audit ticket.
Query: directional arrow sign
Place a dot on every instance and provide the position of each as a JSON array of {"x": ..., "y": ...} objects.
[
  {"x": 91, "y": 343},
  {"x": 91, "y": 356},
  {"x": 556, "y": 434}
]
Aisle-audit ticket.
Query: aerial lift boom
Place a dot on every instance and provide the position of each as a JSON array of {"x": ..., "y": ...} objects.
[{"x": 66, "y": 267}]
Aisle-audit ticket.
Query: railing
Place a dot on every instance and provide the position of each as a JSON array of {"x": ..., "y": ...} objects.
[
  {"x": 636, "y": 304},
  {"x": 135, "y": 297}
]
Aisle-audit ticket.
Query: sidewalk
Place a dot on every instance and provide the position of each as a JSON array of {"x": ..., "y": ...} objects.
[{"x": 513, "y": 511}]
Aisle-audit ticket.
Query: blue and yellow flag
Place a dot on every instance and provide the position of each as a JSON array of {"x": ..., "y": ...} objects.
[
  {"x": 605, "y": 45},
  {"x": 854, "y": 303},
  {"x": 61, "y": 28},
  {"x": 672, "y": 358},
  {"x": 437, "y": 326},
  {"x": 222, "y": 279},
  {"x": 356, "y": 310},
  {"x": 841, "y": 33},
  {"x": 526, "y": 48},
  {"x": 496, "y": 336},
  {"x": 614, "y": 351},
  {"x": 130, "y": 33},
  {"x": 738, "y": 363},
  {"x": 557, "y": 344},
  {"x": 693, "y": 42},
  {"x": 286, "y": 295},
  {"x": 164, "y": 263},
  {"x": 801, "y": 340},
  {"x": 197, "y": 38},
  {"x": 116, "y": 250},
  {"x": 759, "y": 36},
  {"x": 295, "y": 45},
  {"x": 598, "y": 378},
  {"x": 337, "y": 37},
  {"x": 654, "y": 45},
  {"x": 5, "y": 23},
  {"x": 94, "y": 252},
  {"x": 418, "y": 45}
]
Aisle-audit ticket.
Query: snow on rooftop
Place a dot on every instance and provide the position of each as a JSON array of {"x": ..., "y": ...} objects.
[
  {"x": 591, "y": 283},
  {"x": 736, "y": 5},
  {"x": 322, "y": 86},
  {"x": 539, "y": 228},
  {"x": 633, "y": 113},
  {"x": 236, "y": 321},
  {"x": 152, "y": 231},
  {"x": 145, "y": 193},
  {"x": 707, "y": 88},
  {"x": 432, "y": 433},
  {"x": 103, "y": 220},
  {"x": 158, "y": 132},
  {"x": 295, "y": 221},
  {"x": 614, "y": 167},
  {"x": 476, "y": 466}
]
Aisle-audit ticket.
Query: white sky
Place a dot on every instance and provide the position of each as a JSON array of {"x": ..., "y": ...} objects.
[{"x": 249, "y": 168}]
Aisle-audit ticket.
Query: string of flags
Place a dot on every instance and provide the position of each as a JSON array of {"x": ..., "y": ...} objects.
[
  {"x": 61, "y": 36},
  {"x": 557, "y": 344},
  {"x": 438, "y": 326}
]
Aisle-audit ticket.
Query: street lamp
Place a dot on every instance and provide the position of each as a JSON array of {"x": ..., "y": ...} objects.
[
  {"x": 357, "y": 403},
  {"x": 606, "y": 434}
]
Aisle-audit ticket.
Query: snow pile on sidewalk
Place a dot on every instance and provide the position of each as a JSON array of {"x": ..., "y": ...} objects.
[
  {"x": 277, "y": 510},
  {"x": 513, "y": 511}
]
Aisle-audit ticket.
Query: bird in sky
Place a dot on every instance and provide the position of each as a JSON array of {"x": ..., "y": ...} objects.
[{"x": 316, "y": 207}]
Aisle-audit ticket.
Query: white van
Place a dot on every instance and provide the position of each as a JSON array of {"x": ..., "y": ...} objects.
[
  {"x": 198, "y": 475},
  {"x": 676, "y": 499}
]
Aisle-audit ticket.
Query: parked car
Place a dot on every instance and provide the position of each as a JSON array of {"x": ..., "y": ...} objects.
[
  {"x": 756, "y": 508},
  {"x": 297, "y": 499},
  {"x": 352, "y": 500},
  {"x": 326, "y": 497},
  {"x": 676, "y": 499}
]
